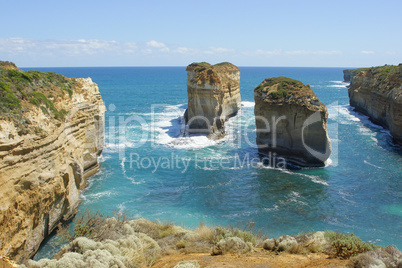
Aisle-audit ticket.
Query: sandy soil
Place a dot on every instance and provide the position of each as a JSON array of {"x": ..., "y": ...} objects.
[{"x": 259, "y": 258}]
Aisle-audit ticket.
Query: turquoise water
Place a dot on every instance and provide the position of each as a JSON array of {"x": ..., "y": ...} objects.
[{"x": 359, "y": 191}]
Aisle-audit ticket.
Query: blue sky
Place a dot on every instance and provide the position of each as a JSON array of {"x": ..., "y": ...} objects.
[{"x": 176, "y": 33}]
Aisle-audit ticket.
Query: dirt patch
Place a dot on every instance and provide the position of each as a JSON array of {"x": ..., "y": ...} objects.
[{"x": 259, "y": 258}]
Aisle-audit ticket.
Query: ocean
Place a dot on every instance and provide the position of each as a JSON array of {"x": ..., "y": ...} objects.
[{"x": 149, "y": 170}]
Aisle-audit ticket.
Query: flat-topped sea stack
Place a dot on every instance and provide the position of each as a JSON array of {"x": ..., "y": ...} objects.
[
  {"x": 51, "y": 134},
  {"x": 291, "y": 122},
  {"x": 213, "y": 97},
  {"x": 377, "y": 92}
]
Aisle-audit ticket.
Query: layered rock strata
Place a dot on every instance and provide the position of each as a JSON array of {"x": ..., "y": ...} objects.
[
  {"x": 213, "y": 97},
  {"x": 377, "y": 93},
  {"x": 50, "y": 140},
  {"x": 291, "y": 122},
  {"x": 349, "y": 74}
]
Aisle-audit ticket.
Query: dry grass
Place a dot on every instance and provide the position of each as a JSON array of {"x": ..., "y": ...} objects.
[
  {"x": 297, "y": 249},
  {"x": 204, "y": 233},
  {"x": 117, "y": 241},
  {"x": 388, "y": 257}
]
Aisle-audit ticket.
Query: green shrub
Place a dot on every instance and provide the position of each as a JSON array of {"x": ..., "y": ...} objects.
[
  {"x": 39, "y": 98},
  {"x": 347, "y": 245},
  {"x": 35, "y": 101},
  {"x": 285, "y": 86},
  {"x": 7, "y": 63},
  {"x": 61, "y": 114},
  {"x": 44, "y": 110},
  {"x": 8, "y": 101},
  {"x": 222, "y": 233}
]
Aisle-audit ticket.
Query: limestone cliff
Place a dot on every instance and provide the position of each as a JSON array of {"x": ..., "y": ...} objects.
[
  {"x": 291, "y": 122},
  {"x": 377, "y": 93},
  {"x": 213, "y": 97},
  {"x": 349, "y": 74},
  {"x": 52, "y": 131}
]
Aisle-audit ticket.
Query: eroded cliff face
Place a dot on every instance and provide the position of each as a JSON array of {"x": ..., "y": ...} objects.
[
  {"x": 377, "y": 93},
  {"x": 47, "y": 150},
  {"x": 213, "y": 97},
  {"x": 291, "y": 122},
  {"x": 349, "y": 74}
]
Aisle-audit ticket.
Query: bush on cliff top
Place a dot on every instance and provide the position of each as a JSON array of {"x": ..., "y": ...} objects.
[
  {"x": 8, "y": 101},
  {"x": 201, "y": 66},
  {"x": 284, "y": 87},
  {"x": 347, "y": 245},
  {"x": 7, "y": 64},
  {"x": 387, "y": 73},
  {"x": 100, "y": 230},
  {"x": 104, "y": 241},
  {"x": 21, "y": 89}
]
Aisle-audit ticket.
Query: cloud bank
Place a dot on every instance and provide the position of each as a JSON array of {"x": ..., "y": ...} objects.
[{"x": 94, "y": 52}]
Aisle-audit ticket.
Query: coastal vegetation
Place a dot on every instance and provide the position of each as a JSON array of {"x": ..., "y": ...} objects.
[
  {"x": 376, "y": 92},
  {"x": 45, "y": 156},
  {"x": 21, "y": 90},
  {"x": 387, "y": 73},
  {"x": 100, "y": 239},
  {"x": 280, "y": 87}
]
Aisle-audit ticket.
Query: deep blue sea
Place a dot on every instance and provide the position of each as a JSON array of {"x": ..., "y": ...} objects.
[{"x": 148, "y": 170}]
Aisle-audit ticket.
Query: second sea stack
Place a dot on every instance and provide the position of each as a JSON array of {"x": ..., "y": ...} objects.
[
  {"x": 291, "y": 122},
  {"x": 213, "y": 97}
]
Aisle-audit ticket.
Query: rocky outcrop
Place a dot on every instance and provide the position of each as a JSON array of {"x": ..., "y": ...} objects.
[
  {"x": 52, "y": 132},
  {"x": 213, "y": 97},
  {"x": 8, "y": 65},
  {"x": 291, "y": 122},
  {"x": 349, "y": 74},
  {"x": 377, "y": 93}
]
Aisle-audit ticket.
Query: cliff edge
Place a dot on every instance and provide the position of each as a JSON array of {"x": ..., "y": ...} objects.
[
  {"x": 349, "y": 74},
  {"x": 291, "y": 122},
  {"x": 51, "y": 134},
  {"x": 213, "y": 97},
  {"x": 377, "y": 92}
]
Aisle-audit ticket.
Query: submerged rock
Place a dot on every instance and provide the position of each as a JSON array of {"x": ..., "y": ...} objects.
[
  {"x": 291, "y": 122},
  {"x": 213, "y": 97},
  {"x": 377, "y": 92}
]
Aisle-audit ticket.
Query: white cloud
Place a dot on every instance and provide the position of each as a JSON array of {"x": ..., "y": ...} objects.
[
  {"x": 278, "y": 52},
  {"x": 218, "y": 50},
  {"x": 94, "y": 47},
  {"x": 155, "y": 44},
  {"x": 16, "y": 46},
  {"x": 313, "y": 52},
  {"x": 185, "y": 50},
  {"x": 390, "y": 53},
  {"x": 146, "y": 51},
  {"x": 367, "y": 52},
  {"x": 261, "y": 52},
  {"x": 95, "y": 52}
]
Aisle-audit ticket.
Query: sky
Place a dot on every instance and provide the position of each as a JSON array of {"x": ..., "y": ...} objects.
[{"x": 176, "y": 33}]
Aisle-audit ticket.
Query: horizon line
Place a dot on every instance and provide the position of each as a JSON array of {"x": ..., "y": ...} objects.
[{"x": 183, "y": 66}]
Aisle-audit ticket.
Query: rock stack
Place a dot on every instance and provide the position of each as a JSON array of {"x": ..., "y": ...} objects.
[
  {"x": 291, "y": 122},
  {"x": 213, "y": 97}
]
